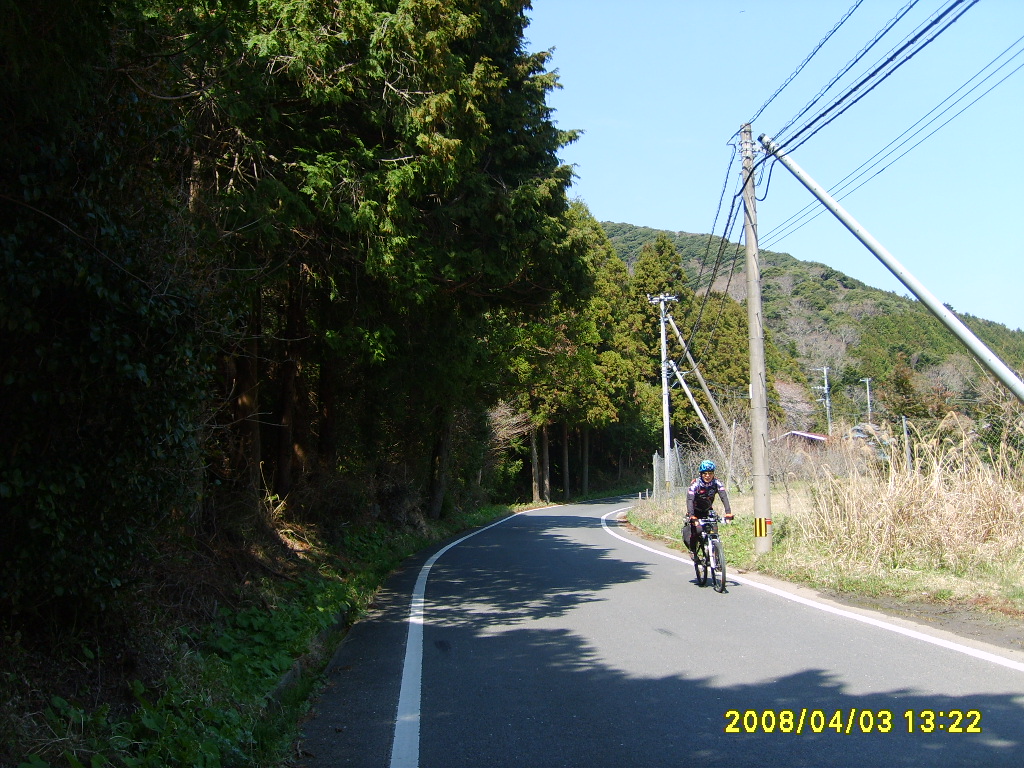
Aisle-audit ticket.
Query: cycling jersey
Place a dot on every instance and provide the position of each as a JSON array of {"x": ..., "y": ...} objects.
[{"x": 700, "y": 495}]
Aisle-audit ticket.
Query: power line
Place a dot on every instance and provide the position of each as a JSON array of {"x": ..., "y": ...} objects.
[
  {"x": 911, "y": 45},
  {"x": 818, "y": 211},
  {"x": 810, "y": 56},
  {"x": 910, "y": 48},
  {"x": 723, "y": 243},
  {"x": 850, "y": 65},
  {"x": 707, "y": 250},
  {"x": 800, "y": 218},
  {"x": 718, "y": 211}
]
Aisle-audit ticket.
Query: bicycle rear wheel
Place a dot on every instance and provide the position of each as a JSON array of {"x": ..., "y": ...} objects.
[
  {"x": 700, "y": 563},
  {"x": 718, "y": 575}
]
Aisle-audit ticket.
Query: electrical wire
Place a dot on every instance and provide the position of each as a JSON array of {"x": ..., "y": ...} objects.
[
  {"x": 849, "y": 65},
  {"x": 705, "y": 299},
  {"x": 807, "y": 60},
  {"x": 711, "y": 238},
  {"x": 818, "y": 211},
  {"x": 881, "y": 71},
  {"x": 841, "y": 190},
  {"x": 731, "y": 219},
  {"x": 722, "y": 303},
  {"x": 915, "y": 44},
  {"x": 718, "y": 211}
]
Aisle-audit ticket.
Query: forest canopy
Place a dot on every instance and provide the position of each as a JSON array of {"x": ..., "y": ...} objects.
[{"x": 251, "y": 248}]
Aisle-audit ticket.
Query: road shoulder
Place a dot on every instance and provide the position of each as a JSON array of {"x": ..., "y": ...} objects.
[{"x": 971, "y": 625}]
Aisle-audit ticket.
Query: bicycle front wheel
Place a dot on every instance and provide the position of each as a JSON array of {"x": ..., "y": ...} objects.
[
  {"x": 718, "y": 576},
  {"x": 700, "y": 563}
]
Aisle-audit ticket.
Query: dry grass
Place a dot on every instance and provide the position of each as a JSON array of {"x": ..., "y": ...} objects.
[
  {"x": 955, "y": 514},
  {"x": 948, "y": 526}
]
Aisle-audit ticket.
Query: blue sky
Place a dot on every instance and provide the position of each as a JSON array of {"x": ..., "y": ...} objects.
[{"x": 660, "y": 87}]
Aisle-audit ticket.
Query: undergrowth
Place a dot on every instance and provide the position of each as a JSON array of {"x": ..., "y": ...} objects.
[{"x": 218, "y": 701}]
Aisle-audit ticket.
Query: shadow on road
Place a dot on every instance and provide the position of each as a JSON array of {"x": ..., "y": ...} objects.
[{"x": 504, "y": 686}]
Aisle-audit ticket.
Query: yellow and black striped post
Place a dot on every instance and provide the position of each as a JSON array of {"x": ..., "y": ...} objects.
[{"x": 762, "y": 535}]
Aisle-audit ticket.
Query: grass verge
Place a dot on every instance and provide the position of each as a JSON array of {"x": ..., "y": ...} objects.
[{"x": 826, "y": 537}]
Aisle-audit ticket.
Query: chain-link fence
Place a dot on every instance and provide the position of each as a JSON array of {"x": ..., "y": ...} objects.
[
  {"x": 682, "y": 469},
  {"x": 674, "y": 479}
]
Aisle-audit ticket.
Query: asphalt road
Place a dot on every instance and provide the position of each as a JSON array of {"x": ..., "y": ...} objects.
[{"x": 558, "y": 638}]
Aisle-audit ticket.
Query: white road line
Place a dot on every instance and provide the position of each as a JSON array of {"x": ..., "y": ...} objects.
[
  {"x": 405, "y": 749},
  {"x": 973, "y": 652}
]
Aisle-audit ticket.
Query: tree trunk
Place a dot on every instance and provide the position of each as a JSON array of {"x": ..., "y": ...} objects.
[
  {"x": 248, "y": 457},
  {"x": 327, "y": 397},
  {"x": 534, "y": 465},
  {"x": 287, "y": 379},
  {"x": 546, "y": 468},
  {"x": 585, "y": 461},
  {"x": 440, "y": 466},
  {"x": 565, "y": 461}
]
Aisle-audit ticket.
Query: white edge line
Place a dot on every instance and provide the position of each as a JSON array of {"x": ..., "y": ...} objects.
[
  {"x": 405, "y": 749},
  {"x": 974, "y": 652}
]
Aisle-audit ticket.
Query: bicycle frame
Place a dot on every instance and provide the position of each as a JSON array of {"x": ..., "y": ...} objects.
[{"x": 710, "y": 558}]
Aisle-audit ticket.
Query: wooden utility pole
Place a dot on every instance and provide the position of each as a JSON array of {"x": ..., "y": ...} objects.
[{"x": 758, "y": 373}]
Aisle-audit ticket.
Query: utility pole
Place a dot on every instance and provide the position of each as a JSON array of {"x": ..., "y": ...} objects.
[
  {"x": 867, "y": 383},
  {"x": 666, "y": 427},
  {"x": 827, "y": 399},
  {"x": 758, "y": 375},
  {"x": 906, "y": 444}
]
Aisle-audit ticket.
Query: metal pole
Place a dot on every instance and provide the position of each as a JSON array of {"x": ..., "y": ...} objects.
[
  {"x": 758, "y": 375},
  {"x": 867, "y": 383},
  {"x": 666, "y": 424},
  {"x": 906, "y": 443},
  {"x": 985, "y": 356},
  {"x": 666, "y": 427},
  {"x": 827, "y": 398},
  {"x": 700, "y": 377},
  {"x": 697, "y": 408}
]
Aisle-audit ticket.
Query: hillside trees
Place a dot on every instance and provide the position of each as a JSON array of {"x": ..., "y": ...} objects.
[
  {"x": 713, "y": 325},
  {"x": 594, "y": 368},
  {"x": 820, "y": 317}
]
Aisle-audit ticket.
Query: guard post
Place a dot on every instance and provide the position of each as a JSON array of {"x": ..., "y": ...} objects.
[{"x": 762, "y": 535}]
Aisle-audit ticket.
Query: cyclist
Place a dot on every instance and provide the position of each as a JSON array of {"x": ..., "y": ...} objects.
[{"x": 699, "y": 496}]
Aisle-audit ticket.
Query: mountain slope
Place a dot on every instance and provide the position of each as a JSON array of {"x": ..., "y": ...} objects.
[{"x": 825, "y": 318}]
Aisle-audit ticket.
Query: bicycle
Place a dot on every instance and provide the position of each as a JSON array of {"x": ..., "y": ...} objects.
[{"x": 709, "y": 558}]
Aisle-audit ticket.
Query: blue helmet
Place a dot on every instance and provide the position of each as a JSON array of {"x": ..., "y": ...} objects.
[{"x": 707, "y": 466}]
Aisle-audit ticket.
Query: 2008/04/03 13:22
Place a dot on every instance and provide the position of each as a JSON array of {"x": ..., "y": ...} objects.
[{"x": 851, "y": 721}]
